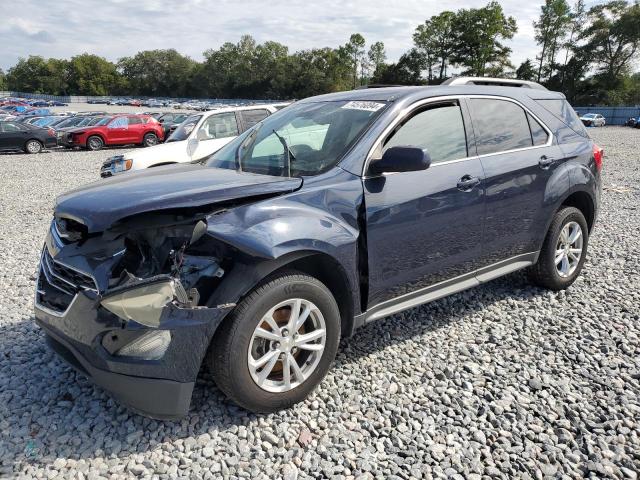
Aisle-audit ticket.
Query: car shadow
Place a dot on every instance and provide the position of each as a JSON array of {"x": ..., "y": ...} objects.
[{"x": 43, "y": 389}]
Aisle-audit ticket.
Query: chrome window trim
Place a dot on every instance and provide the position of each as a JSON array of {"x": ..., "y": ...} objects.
[{"x": 420, "y": 103}]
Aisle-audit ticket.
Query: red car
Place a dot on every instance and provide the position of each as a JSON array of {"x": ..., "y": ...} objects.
[{"x": 120, "y": 130}]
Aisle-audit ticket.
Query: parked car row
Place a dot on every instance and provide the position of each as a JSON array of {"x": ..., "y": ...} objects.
[
  {"x": 91, "y": 132},
  {"x": 197, "y": 136}
]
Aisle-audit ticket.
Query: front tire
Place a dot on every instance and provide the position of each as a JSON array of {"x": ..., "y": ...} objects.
[
  {"x": 277, "y": 344},
  {"x": 563, "y": 252},
  {"x": 94, "y": 143},
  {"x": 32, "y": 146}
]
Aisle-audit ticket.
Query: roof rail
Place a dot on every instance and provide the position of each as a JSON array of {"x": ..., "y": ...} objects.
[
  {"x": 377, "y": 85},
  {"x": 498, "y": 82}
]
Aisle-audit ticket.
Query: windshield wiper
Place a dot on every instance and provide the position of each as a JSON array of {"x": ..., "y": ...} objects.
[{"x": 289, "y": 154}]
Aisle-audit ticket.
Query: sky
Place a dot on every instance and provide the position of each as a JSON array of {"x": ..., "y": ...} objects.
[{"x": 118, "y": 28}]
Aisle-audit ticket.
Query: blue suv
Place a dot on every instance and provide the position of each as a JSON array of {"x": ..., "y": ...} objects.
[{"x": 336, "y": 211}]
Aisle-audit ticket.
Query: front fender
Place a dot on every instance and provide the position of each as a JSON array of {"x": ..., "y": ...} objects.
[{"x": 270, "y": 233}]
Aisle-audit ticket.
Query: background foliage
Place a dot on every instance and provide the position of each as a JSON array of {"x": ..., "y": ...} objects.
[{"x": 590, "y": 55}]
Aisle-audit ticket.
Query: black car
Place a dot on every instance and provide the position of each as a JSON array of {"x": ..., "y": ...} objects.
[
  {"x": 16, "y": 136},
  {"x": 337, "y": 211}
]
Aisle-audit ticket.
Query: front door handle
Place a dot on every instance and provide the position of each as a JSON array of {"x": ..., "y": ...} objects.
[
  {"x": 545, "y": 162},
  {"x": 467, "y": 183}
]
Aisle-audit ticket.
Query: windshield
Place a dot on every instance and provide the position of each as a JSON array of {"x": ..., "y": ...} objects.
[
  {"x": 315, "y": 135},
  {"x": 590, "y": 115},
  {"x": 185, "y": 129}
]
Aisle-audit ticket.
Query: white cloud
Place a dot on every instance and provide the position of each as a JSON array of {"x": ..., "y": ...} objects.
[{"x": 117, "y": 28}]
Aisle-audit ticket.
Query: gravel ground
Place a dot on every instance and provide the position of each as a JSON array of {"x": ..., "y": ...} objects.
[{"x": 501, "y": 381}]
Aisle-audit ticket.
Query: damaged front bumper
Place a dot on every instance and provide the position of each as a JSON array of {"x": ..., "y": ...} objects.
[{"x": 150, "y": 363}]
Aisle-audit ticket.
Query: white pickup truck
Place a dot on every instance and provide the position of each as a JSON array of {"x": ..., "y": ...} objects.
[{"x": 200, "y": 135}]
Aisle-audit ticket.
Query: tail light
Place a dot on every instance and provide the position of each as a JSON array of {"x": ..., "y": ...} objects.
[
  {"x": 598, "y": 153},
  {"x": 51, "y": 131}
]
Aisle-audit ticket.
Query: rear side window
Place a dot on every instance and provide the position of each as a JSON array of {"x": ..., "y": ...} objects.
[
  {"x": 563, "y": 111},
  {"x": 500, "y": 126},
  {"x": 439, "y": 130},
  {"x": 251, "y": 117},
  {"x": 135, "y": 121},
  {"x": 539, "y": 134}
]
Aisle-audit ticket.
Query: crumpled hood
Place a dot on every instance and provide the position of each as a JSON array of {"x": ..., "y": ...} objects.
[{"x": 100, "y": 204}]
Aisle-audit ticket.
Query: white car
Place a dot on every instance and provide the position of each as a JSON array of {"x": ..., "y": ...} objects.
[
  {"x": 200, "y": 135},
  {"x": 593, "y": 120}
]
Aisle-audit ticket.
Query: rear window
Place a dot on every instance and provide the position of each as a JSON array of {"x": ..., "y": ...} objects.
[{"x": 564, "y": 112}]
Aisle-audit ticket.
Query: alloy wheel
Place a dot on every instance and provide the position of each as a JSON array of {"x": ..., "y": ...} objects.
[
  {"x": 286, "y": 345},
  {"x": 33, "y": 146},
  {"x": 569, "y": 249}
]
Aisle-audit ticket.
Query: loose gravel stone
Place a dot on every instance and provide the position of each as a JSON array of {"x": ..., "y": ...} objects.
[{"x": 502, "y": 381}]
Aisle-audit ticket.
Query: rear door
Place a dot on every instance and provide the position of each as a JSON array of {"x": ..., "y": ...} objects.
[
  {"x": 425, "y": 227},
  {"x": 213, "y": 133},
  {"x": 136, "y": 129},
  {"x": 518, "y": 156}
]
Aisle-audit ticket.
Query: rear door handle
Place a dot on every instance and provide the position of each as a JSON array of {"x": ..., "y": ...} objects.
[
  {"x": 545, "y": 162},
  {"x": 467, "y": 183}
]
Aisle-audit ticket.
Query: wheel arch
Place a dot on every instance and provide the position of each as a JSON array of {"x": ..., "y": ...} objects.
[
  {"x": 581, "y": 200},
  {"x": 96, "y": 134},
  {"x": 33, "y": 139},
  {"x": 247, "y": 274}
]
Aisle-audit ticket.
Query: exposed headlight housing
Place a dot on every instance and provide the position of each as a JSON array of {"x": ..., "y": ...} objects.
[
  {"x": 121, "y": 165},
  {"x": 142, "y": 304}
]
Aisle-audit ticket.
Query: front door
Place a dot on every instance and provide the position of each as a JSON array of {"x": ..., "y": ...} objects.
[
  {"x": 118, "y": 131},
  {"x": 425, "y": 227}
]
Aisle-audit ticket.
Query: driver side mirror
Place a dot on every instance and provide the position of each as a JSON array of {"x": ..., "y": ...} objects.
[{"x": 401, "y": 159}]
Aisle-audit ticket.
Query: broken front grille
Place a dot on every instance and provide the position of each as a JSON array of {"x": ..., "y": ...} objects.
[{"x": 58, "y": 284}]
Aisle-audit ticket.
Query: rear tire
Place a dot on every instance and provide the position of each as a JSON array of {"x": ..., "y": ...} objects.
[
  {"x": 32, "y": 146},
  {"x": 563, "y": 252},
  {"x": 94, "y": 143},
  {"x": 149, "y": 140},
  {"x": 260, "y": 328}
]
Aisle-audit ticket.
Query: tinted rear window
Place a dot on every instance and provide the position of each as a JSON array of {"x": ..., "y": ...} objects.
[{"x": 563, "y": 111}]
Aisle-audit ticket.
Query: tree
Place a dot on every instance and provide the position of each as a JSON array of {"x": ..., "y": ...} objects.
[
  {"x": 613, "y": 37},
  {"x": 577, "y": 21},
  {"x": 526, "y": 71},
  {"x": 355, "y": 49},
  {"x": 377, "y": 55},
  {"x": 2, "y": 80},
  {"x": 408, "y": 70},
  {"x": 436, "y": 41},
  {"x": 93, "y": 75},
  {"x": 38, "y": 75},
  {"x": 551, "y": 28},
  {"x": 478, "y": 44},
  {"x": 158, "y": 73}
]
